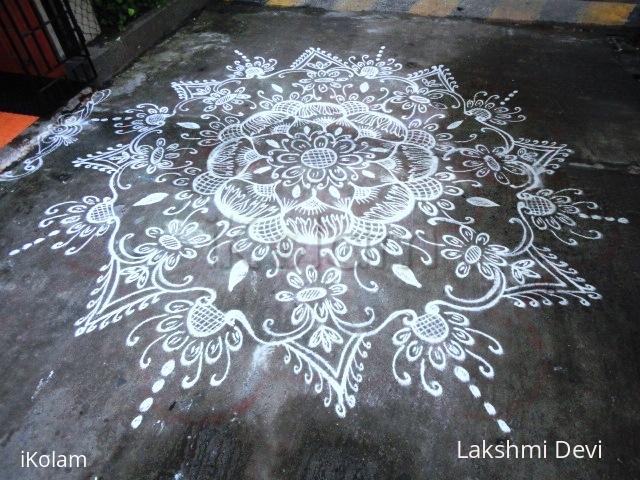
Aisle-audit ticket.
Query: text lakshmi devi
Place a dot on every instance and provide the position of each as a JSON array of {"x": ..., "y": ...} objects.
[{"x": 509, "y": 450}]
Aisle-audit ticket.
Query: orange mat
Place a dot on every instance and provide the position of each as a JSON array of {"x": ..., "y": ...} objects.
[{"x": 12, "y": 124}]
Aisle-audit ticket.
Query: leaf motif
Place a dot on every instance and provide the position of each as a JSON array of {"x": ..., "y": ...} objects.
[
  {"x": 325, "y": 336},
  {"x": 151, "y": 199},
  {"x": 482, "y": 202},
  {"x": 523, "y": 269},
  {"x": 237, "y": 273},
  {"x": 454, "y": 125},
  {"x": 273, "y": 143},
  {"x": 392, "y": 247},
  {"x": 401, "y": 336},
  {"x": 189, "y": 125},
  {"x": 344, "y": 251},
  {"x": 262, "y": 170},
  {"x": 314, "y": 341},
  {"x": 259, "y": 253},
  {"x": 364, "y": 87},
  {"x": 405, "y": 274},
  {"x": 277, "y": 88},
  {"x": 335, "y": 193},
  {"x": 138, "y": 274}
]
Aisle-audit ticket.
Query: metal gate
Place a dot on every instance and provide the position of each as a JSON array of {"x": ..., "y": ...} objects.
[{"x": 43, "y": 56}]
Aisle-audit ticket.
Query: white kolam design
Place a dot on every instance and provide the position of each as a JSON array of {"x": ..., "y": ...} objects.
[
  {"x": 63, "y": 130},
  {"x": 322, "y": 209}
]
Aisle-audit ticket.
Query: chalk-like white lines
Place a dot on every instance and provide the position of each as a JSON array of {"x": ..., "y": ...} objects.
[{"x": 319, "y": 210}]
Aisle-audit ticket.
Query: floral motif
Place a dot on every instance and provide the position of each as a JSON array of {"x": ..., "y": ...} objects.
[
  {"x": 225, "y": 98},
  {"x": 199, "y": 333},
  {"x": 322, "y": 78},
  {"x": 502, "y": 166},
  {"x": 549, "y": 209},
  {"x": 63, "y": 130},
  {"x": 320, "y": 172},
  {"x": 146, "y": 116},
  {"x": 490, "y": 109},
  {"x": 316, "y": 299},
  {"x": 473, "y": 249},
  {"x": 418, "y": 99},
  {"x": 158, "y": 157},
  {"x": 440, "y": 337},
  {"x": 82, "y": 221},
  {"x": 318, "y": 159},
  {"x": 256, "y": 68},
  {"x": 179, "y": 240},
  {"x": 556, "y": 211},
  {"x": 66, "y": 127},
  {"x": 371, "y": 68}
]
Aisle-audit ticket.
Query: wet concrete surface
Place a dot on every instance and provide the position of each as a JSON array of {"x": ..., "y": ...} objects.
[{"x": 569, "y": 372}]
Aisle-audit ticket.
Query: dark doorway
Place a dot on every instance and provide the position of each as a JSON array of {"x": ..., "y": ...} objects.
[{"x": 43, "y": 56}]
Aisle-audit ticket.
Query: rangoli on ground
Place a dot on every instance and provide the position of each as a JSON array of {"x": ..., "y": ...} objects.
[{"x": 357, "y": 201}]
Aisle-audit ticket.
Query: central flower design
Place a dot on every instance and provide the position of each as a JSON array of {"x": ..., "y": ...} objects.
[
  {"x": 318, "y": 159},
  {"x": 319, "y": 172}
]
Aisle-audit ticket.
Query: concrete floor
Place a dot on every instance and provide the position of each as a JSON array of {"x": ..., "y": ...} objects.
[{"x": 568, "y": 371}]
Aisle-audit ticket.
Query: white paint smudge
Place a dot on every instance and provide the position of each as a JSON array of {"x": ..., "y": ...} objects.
[
  {"x": 260, "y": 355},
  {"x": 503, "y": 426},
  {"x": 405, "y": 274},
  {"x": 461, "y": 373},
  {"x": 237, "y": 274},
  {"x": 151, "y": 199},
  {"x": 41, "y": 384},
  {"x": 475, "y": 391},
  {"x": 146, "y": 404},
  {"x": 189, "y": 125},
  {"x": 135, "y": 423},
  {"x": 491, "y": 410},
  {"x": 481, "y": 202},
  {"x": 157, "y": 386},
  {"x": 167, "y": 368},
  {"x": 159, "y": 425}
]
